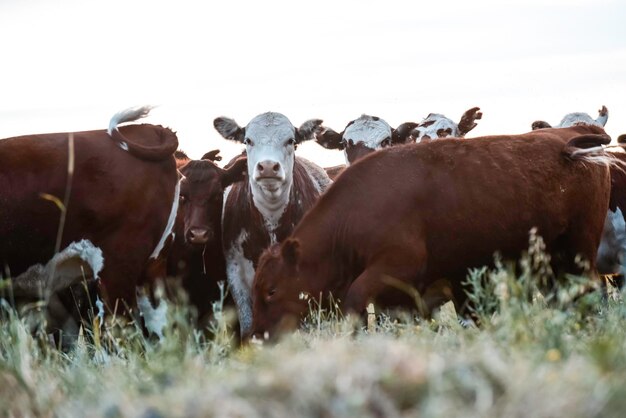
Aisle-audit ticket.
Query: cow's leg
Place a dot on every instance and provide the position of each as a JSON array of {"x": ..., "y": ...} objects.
[{"x": 393, "y": 271}]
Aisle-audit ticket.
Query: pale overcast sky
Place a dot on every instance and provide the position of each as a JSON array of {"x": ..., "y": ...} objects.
[{"x": 70, "y": 64}]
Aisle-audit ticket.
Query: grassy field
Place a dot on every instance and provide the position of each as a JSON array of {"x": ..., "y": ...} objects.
[{"x": 548, "y": 354}]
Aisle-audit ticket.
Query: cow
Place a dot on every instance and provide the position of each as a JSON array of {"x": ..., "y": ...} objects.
[
  {"x": 196, "y": 257},
  {"x": 371, "y": 133},
  {"x": 436, "y": 125},
  {"x": 452, "y": 205},
  {"x": 576, "y": 118},
  {"x": 115, "y": 189},
  {"x": 363, "y": 136},
  {"x": 264, "y": 210}
]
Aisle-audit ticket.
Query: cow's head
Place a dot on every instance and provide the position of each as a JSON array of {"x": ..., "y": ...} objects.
[
  {"x": 270, "y": 141},
  {"x": 436, "y": 126},
  {"x": 363, "y": 136},
  {"x": 576, "y": 118},
  {"x": 201, "y": 197},
  {"x": 277, "y": 303}
]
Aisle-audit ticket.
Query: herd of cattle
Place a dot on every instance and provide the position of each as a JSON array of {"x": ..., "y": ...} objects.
[{"x": 97, "y": 218}]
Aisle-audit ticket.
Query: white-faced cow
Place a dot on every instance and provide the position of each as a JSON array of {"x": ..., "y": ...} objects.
[
  {"x": 450, "y": 206},
  {"x": 120, "y": 188},
  {"x": 264, "y": 210},
  {"x": 576, "y": 118},
  {"x": 363, "y": 136},
  {"x": 436, "y": 126}
]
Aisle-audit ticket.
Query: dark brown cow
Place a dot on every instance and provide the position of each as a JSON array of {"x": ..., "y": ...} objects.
[
  {"x": 123, "y": 196},
  {"x": 452, "y": 205},
  {"x": 196, "y": 256},
  {"x": 264, "y": 210}
]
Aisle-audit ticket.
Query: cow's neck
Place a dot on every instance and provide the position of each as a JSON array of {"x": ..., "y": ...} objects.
[{"x": 271, "y": 205}]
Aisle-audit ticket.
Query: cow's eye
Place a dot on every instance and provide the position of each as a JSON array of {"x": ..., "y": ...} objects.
[
  {"x": 248, "y": 141},
  {"x": 386, "y": 142},
  {"x": 291, "y": 141},
  {"x": 271, "y": 292}
]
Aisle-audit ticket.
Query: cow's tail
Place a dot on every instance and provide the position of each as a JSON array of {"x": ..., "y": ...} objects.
[{"x": 168, "y": 140}]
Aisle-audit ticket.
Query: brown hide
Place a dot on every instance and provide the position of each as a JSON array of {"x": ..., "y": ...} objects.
[
  {"x": 120, "y": 202},
  {"x": 444, "y": 206},
  {"x": 241, "y": 214}
]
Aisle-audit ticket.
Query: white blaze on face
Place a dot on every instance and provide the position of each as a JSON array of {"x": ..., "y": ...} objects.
[
  {"x": 270, "y": 145},
  {"x": 371, "y": 131},
  {"x": 433, "y": 125}
]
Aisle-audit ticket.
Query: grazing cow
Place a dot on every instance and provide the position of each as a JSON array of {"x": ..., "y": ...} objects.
[
  {"x": 121, "y": 195},
  {"x": 576, "y": 118},
  {"x": 264, "y": 210},
  {"x": 436, "y": 126},
  {"x": 452, "y": 205},
  {"x": 196, "y": 256}
]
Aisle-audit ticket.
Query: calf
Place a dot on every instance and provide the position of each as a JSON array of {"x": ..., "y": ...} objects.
[
  {"x": 121, "y": 195},
  {"x": 452, "y": 205},
  {"x": 196, "y": 256},
  {"x": 264, "y": 210}
]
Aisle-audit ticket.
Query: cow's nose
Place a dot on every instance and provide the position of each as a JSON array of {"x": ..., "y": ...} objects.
[
  {"x": 268, "y": 168},
  {"x": 198, "y": 235}
]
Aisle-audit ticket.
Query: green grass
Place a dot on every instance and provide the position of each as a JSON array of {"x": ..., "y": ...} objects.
[{"x": 536, "y": 353}]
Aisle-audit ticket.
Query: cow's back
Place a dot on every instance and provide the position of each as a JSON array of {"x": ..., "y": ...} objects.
[
  {"x": 119, "y": 202},
  {"x": 466, "y": 199}
]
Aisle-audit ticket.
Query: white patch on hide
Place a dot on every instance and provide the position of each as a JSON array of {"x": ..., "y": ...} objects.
[
  {"x": 154, "y": 319},
  {"x": 170, "y": 223},
  {"x": 240, "y": 274},
  {"x": 611, "y": 258}
]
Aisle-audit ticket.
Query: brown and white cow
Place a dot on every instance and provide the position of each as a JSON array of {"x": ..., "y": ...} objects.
[
  {"x": 264, "y": 210},
  {"x": 576, "y": 118},
  {"x": 196, "y": 257},
  {"x": 436, "y": 126},
  {"x": 363, "y": 136},
  {"x": 122, "y": 195},
  {"x": 452, "y": 205}
]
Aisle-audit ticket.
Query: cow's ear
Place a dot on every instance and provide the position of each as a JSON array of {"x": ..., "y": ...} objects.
[
  {"x": 468, "y": 120},
  {"x": 621, "y": 139},
  {"x": 540, "y": 124},
  {"x": 309, "y": 130},
  {"x": 290, "y": 251},
  {"x": 229, "y": 129},
  {"x": 212, "y": 156},
  {"x": 330, "y": 139},
  {"x": 237, "y": 171},
  {"x": 603, "y": 116},
  {"x": 402, "y": 133}
]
